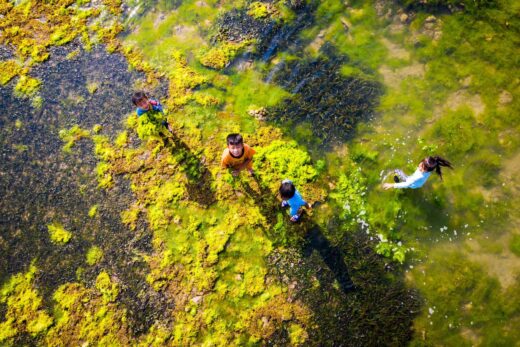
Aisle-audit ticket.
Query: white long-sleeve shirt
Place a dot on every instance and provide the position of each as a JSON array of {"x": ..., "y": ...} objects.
[{"x": 416, "y": 180}]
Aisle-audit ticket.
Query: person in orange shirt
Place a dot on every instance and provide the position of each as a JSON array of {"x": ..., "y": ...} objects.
[{"x": 237, "y": 156}]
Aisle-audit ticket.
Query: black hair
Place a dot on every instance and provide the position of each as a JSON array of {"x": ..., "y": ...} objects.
[
  {"x": 287, "y": 190},
  {"x": 435, "y": 163},
  {"x": 234, "y": 139},
  {"x": 138, "y": 96}
]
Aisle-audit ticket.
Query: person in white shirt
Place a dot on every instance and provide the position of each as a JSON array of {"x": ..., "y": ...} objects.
[{"x": 420, "y": 176}]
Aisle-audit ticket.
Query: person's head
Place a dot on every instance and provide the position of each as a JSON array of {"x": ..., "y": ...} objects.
[
  {"x": 429, "y": 164},
  {"x": 140, "y": 99},
  {"x": 287, "y": 189},
  {"x": 235, "y": 144}
]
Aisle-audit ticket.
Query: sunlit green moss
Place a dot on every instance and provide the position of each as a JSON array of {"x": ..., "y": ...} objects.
[
  {"x": 258, "y": 9},
  {"x": 282, "y": 159},
  {"x": 27, "y": 86},
  {"x": 297, "y": 335},
  {"x": 108, "y": 289},
  {"x": 94, "y": 255},
  {"x": 220, "y": 56},
  {"x": 71, "y": 136},
  {"x": 97, "y": 128},
  {"x": 84, "y": 316},
  {"x": 92, "y": 87},
  {"x": 58, "y": 234},
  {"x": 8, "y": 70},
  {"x": 92, "y": 212},
  {"x": 24, "y": 308}
]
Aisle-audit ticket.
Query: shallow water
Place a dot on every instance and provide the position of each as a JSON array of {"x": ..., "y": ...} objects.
[{"x": 358, "y": 88}]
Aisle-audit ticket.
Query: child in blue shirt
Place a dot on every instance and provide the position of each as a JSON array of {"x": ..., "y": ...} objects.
[
  {"x": 149, "y": 105},
  {"x": 292, "y": 198},
  {"x": 420, "y": 176}
]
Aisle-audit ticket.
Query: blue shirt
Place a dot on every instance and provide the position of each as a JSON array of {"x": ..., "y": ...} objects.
[
  {"x": 156, "y": 106},
  {"x": 295, "y": 203},
  {"x": 414, "y": 181}
]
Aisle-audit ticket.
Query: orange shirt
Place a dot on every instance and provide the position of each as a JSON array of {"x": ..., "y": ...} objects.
[{"x": 228, "y": 161}]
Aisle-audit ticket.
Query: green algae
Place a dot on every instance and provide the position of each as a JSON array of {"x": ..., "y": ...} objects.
[
  {"x": 71, "y": 136},
  {"x": 25, "y": 312},
  {"x": 514, "y": 245},
  {"x": 474, "y": 308},
  {"x": 284, "y": 160},
  {"x": 200, "y": 262},
  {"x": 96, "y": 129},
  {"x": 258, "y": 9},
  {"x": 83, "y": 315},
  {"x": 108, "y": 289},
  {"x": 27, "y": 86},
  {"x": 32, "y": 27},
  {"x": 92, "y": 212},
  {"x": 8, "y": 70},
  {"x": 94, "y": 255},
  {"x": 92, "y": 87},
  {"x": 20, "y": 147},
  {"x": 220, "y": 57},
  {"x": 58, "y": 234}
]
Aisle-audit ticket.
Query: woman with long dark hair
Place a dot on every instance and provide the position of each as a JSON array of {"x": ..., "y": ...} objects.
[{"x": 420, "y": 176}]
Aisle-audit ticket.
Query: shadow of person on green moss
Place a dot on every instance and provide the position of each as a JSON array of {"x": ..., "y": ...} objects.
[
  {"x": 199, "y": 177},
  {"x": 305, "y": 232}
]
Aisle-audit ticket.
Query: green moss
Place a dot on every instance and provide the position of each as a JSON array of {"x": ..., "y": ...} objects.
[
  {"x": 458, "y": 130},
  {"x": 297, "y": 335},
  {"x": 82, "y": 315},
  {"x": 94, "y": 255},
  {"x": 92, "y": 87},
  {"x": 220, "y": 56},
  {"x": 92, "y": 212},
  {"x": 31, "y": 37},
  {"x": 24, "y": 309},
  {"x": 96, "y": 129},
  {"x": 460, "y": 296},
  {"x": 27, "y": 86},
  {"x": 514, "y": 245},
  {"x": 58, "y": 234},
  {"x": 8, "y": 70},
  {"x": 71, "y": 136},
  {"x": 105, "y": 179},
  {"x": 258, "y": 10},
  {"x": 108, "y": 289},
  {"x": 20, "y": 147},
  {"x": 122, "y": 139},
  {"x": 283, "y": 159},
  {"x": 130, "y": 217},
  {"x": 250, "y": 91}
]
